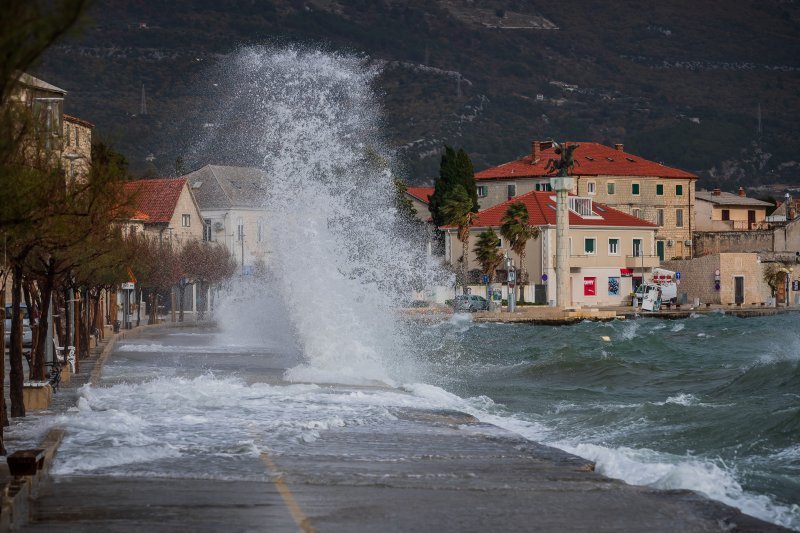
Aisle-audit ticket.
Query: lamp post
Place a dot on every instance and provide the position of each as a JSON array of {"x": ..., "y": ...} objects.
[{"x": 512, "y": 283}]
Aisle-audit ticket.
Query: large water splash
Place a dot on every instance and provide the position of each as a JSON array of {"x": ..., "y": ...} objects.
[{"x": 341, "y": 257}]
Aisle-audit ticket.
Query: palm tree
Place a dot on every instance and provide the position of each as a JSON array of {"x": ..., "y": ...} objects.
[
  {"x": 514, "y": 227},
  {"x": 487, "y": 252},
  {"x": 488, "y": 255},
  {"x": 457, "y": 210}
]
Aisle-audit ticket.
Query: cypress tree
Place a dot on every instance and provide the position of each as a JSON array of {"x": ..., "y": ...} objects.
[{"x": 455, "y": 170}]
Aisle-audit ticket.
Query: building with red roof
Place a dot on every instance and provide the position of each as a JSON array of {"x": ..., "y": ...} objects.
[
  {"x": 164, "y": 208},
  {"x": 420, "y": 198},
  {"x": 610, "y": 251},
  {"x": 629, "y": 183}
]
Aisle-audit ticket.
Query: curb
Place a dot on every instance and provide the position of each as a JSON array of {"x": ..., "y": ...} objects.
[{"x": 17, "y": 494}]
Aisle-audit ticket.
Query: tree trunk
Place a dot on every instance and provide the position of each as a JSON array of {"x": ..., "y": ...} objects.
[
  {"x": 181, "y": 293},
  {"x": 16, "y": 378},
  {"x": 38, "y": 354},
  {"x": 3, "y": 412},
  {"x": 464, "y": 246}
]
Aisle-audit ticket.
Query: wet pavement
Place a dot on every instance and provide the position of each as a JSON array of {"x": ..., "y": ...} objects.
[{"x": 419, "y": 470}]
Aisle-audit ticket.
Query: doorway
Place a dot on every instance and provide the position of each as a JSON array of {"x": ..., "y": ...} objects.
[{"x": 738, "y": 287}]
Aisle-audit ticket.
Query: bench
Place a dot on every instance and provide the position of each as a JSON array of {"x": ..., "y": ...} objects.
[
  {"x": 25, "y": 462},
  {"x": 65, "y": 354}
]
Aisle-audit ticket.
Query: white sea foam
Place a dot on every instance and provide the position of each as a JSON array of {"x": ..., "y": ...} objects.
[
  {"x": 341, "y": 258},
  {"x": 664, "y": 471},
  {"x": 678, "y": 327}
]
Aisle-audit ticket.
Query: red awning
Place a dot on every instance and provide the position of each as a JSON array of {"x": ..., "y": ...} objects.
[{"x": 626, "y": 272}]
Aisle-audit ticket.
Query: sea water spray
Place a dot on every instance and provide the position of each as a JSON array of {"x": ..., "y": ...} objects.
[{"x": 341, "y": 260}]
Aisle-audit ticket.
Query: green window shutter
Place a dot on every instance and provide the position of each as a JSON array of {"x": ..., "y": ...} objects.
[
  {"x": 589, "y": 246},
  {"x": 660, "y": 189},
  {"x": 635, "y": 188},
  {"x": 679, "y": 190}
]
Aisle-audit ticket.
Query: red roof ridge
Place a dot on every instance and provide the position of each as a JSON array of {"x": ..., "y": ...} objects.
[
  {"x": 70, "y": 118},
  {"x": 540, "y": 214},
  {"x": 420, "y": 193},
  {"x": 155, "y": 198},
  {"x": 593, "y": 159}
]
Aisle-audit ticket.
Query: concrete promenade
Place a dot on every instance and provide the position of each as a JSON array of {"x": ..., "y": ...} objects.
[
  {"x": 545, "y": 315},
  {"x": 424, "y": 470}
]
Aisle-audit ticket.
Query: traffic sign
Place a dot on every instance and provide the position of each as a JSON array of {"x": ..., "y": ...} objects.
[
  {"x": 512, "y": 276},
  {"x": 485, "y": 279},
  {"x": 511, "y": 284},
  {"x": 677, "y": 275},
  {"x": 128, "y": 286}
]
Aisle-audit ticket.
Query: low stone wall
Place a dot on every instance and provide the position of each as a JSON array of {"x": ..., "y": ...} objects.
[{"x": 732, "y": 241}]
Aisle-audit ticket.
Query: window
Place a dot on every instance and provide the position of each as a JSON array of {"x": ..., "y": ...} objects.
[
  {"x": 186, "y": 220},
  {"x": 679, "y": 218},
  {"x": 260, "y": 230},
  {"x": 635, "y": 189},
  {"x": 636, "y": 212},
  {"x": 660, "y": 217},
  {"x": 207, "y": 229},
  {"x": 132, "y": 231},
  {"x": 726, "y": 214},
  {"x": 240, "y": 229},
  {"x": 544, "y": 187},
  {"x": 499, "y": 242},
  {"x": 610, "y": 187},
  {"x": 637, "y": 247},
  {"x": 589, "y": 245},
  {"x": 590, "y": 187},
  {"x": 660, "y": 189},
  {"x": 679, "y": 190},
  {"x": 613, "y": 286},
  {"x": 483, "y": 191},
  {"x": 613, "y": 246},
  {"x": 512, "y": 190}
]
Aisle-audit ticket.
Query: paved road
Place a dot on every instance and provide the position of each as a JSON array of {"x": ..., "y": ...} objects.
[{"x": 420, "y": 471}]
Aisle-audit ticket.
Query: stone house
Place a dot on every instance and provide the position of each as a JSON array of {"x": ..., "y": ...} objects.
[
  {"x": 626, "y": 182},
  {"x": 67, "y": 137},
  {"x": 724, "y": 278},
  {"x": 231, "y": 201},
  {"x": 723, "y": 211},
  {"x": 610, "y": 251},
  {"x": 76, "y": 153}
]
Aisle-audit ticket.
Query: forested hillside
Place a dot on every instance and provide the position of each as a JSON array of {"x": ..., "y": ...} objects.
[{"x": 709, "y": 87}]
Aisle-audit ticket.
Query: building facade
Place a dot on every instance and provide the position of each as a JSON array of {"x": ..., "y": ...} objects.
[
  {"x": 231, "y": 201},
  {"x": 645, "y": 189},
  {"x": 164, "y": 209},
  {"x": 722, "y": 211},
  {"x": 610, "y": 251}
]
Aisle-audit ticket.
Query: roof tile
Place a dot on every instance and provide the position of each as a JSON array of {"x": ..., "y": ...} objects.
[
  {"x": 156, "y": 198},
  {"x": 592, "y": 159}
]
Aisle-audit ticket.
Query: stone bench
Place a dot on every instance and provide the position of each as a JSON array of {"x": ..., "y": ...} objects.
[{"x": 25, "y": 462}]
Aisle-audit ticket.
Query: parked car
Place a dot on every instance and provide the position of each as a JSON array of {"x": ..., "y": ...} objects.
[
  {"x": 27, "y": 335},
  {"x": 471, "y": 303}
]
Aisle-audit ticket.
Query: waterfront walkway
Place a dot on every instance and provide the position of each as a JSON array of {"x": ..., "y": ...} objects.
[{"x": 424, "y": 470}]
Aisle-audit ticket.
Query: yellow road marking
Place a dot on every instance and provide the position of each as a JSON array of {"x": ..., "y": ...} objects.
[{"x": 300, "y": 519}]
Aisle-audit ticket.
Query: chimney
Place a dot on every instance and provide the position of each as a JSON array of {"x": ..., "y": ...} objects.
[
  {"x": 741, "y": 192},
  {"x": 619, "y": 147},
  {"x": 536, "y": 151},
  {"x": 716, "y": 192}
]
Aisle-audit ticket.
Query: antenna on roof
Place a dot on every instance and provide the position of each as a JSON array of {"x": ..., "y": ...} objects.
[{"x": 143, "y": 107}]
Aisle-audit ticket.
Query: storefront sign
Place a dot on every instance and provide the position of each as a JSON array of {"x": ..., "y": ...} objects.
[{"x": 589, "y": 286}]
